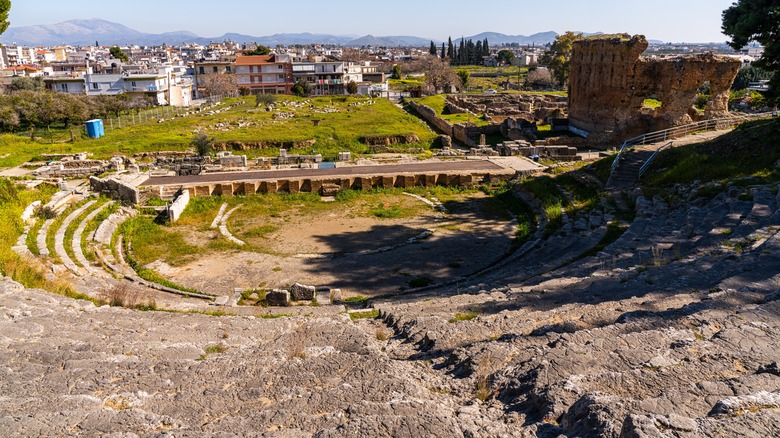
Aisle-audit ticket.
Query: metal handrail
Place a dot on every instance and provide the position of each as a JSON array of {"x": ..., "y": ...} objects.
[
  {"x": 649, "y": 161},
  {"x": 678, "y": 131}
]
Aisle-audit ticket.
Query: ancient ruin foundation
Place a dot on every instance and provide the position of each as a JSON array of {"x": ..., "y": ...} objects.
[{"x": 609, "y": 83}]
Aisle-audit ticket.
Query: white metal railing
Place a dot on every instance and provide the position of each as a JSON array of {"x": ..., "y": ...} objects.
[
  {"x": 649, "y": 161},
  {"x": 680, "y": 131}
]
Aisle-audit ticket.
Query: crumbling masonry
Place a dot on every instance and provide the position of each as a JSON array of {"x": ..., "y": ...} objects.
[{"x": 609, "y": 82}]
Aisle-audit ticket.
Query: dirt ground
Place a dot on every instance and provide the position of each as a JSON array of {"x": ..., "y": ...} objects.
[{"x": 358, "y": 253}]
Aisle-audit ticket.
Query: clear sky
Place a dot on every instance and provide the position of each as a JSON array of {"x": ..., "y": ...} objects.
[{"x": 667, "y": 20}]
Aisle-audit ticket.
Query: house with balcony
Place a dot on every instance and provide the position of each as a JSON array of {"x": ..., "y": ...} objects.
[
  {"x": 204, "y": 68},
  {"x": 266, "y": 74},
  {"x": 325, "y": 78},
  {"x": 164, "y": 86}
]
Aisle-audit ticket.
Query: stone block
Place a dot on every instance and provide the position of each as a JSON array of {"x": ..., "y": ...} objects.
[
  {"x": 335, "y": 296},
  {"x": 277, "y": 297},
  {"x": 301, "y": 292}
]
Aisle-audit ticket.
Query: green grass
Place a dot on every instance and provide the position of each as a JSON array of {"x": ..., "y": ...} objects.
[
  {"x": 368, "y": 314},
  {"x": 383, "y": 212},
  {"x": 335, "y": 132},
  {"x": 75, "y": 224},
  {"x": 438, "y": 103},
  {"x": 13, "y": 201},
  {"x": 504, "y": 200},
  {"x": 748, "y": 151},
  {"x": 262, "y": 231},
  {"x": 151, "y": 240},
  {"x": 652, "y": 103},
  {"x": 356, "y": 299},
  {"x": 92, "y": 226},
  {"x": 55, "y": 226},
  {"x": 463, "y": 316}
]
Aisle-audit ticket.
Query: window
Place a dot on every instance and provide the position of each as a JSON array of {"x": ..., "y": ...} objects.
[
  {"x": 280, "y": 67},
  {"x": 132, "y": 83},
  {"x": 281, "y": 77},
  {"x": 64, "y": 87},
  {"x": 215, "y": 69},
  {"x": 201, "y": 70},
  {"x": 227, "y": 68},
  {"x": 95, "y": 86}
]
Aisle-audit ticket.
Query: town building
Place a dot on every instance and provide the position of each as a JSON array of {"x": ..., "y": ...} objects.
[{"x": 265, "y": 74}]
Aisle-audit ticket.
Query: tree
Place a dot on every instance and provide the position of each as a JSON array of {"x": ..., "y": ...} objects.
[
  {"x": 203, "y": 143},
  {"x": 439, "y": 76},
  {"x": 265, "y": 99},
  {"x": 464, "y": 76},
  {"x": 352, "y": 87},
  {"x": 443, "y": 52},
  {"x": 539, "y": 78},
  {"x": 217, "y": 84},
  {"x": 505, "y": 56},
  {"x": 432, "y": 50},
  {"x": 301, "y": 88},
  {"x": 26, "y": 83},
  {"x": 259, "y": 50},
  {"x": 558, "y": 58},
  {"x": 5, "y": 6},
  {"x": 396, "y": 72},
  {"x": 117, "y": 53},
  {"x": 749, "y": 74},
  {"x": 756, "y": 20}
]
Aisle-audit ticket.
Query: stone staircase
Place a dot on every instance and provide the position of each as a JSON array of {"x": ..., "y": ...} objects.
[{"x": 626, "y": 174}]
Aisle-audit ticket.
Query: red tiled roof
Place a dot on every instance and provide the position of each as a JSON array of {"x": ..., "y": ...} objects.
[{"x": 254, "y": 60}]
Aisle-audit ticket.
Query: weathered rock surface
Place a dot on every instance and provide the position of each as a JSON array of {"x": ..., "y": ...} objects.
[
  {"x": 609, "y": 83},
  {"x": 670, "y": 330}
]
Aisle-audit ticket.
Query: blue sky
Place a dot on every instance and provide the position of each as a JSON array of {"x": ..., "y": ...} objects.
[{"x": 667, "y": 20}]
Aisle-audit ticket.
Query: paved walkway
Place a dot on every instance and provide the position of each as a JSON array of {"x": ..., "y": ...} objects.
[{"x": 442, "y": 166}]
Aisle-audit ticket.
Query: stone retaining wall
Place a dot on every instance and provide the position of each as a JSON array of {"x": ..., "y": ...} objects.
[
  {"x": 115, "y": 189},
  {"x": 297, "y": 185}
]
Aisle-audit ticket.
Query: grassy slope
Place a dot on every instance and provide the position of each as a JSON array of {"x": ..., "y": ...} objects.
[
  {"x": 336, "y": 131},
  {"x": 438, "y": 104},
  {"x": 749, "y": 150}
]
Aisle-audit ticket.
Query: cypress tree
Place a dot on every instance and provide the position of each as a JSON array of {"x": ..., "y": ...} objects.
[
  {"x": 443, "y": 51},
  {"x": 450, "y": 49},
  {"x": 432, "y": 50}
]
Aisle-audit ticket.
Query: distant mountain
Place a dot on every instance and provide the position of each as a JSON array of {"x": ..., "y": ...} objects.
[
  {"x": 390, "y": 41},
  {"x": 86, "y": 32},
  {"x": 283, "y": 39},
  {"x": 495, "y": 38}
]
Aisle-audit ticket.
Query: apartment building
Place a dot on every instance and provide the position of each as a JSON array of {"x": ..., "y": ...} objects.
[
  {"x": 204, "y": 68},
  {"x": 267, "y": 74}
]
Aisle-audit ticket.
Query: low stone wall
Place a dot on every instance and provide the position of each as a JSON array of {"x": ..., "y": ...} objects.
[
  {"x": 459, "y": 132},
  {"x": 115, "y": 189},
  {"x": 177, "y": 207},
  {"x": 295, "y": 185}
]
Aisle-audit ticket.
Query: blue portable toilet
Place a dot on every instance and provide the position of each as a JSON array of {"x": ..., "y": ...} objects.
[{"x": 95, "y": 128}]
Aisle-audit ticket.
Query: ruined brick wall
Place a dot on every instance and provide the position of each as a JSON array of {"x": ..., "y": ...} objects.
[{"x": 609, "y": 83}]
